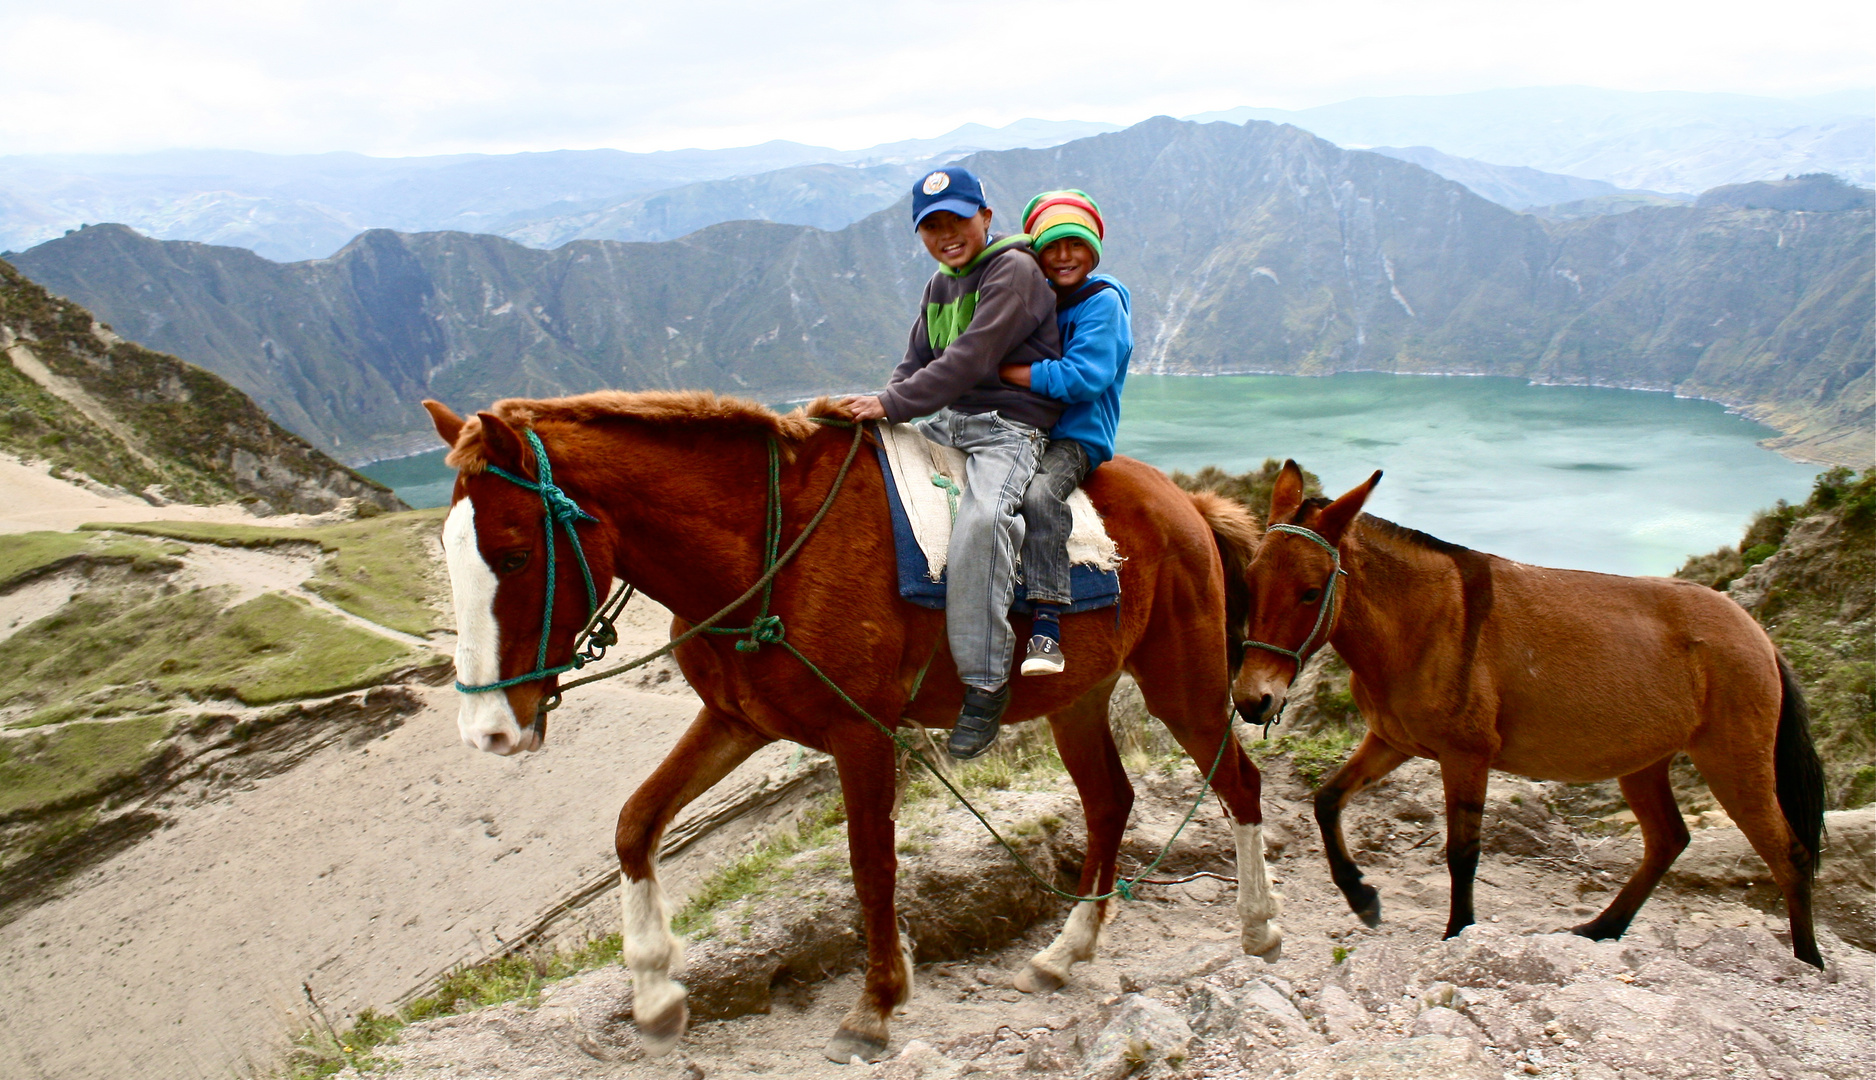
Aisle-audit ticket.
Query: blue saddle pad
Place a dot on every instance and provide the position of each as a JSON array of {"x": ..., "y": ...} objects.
[{"x": 1089, "y": 587}]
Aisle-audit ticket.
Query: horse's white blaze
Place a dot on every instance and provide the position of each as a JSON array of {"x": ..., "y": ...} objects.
[
  {"x": 478, "y": 658},
  {"x": 1080, "y": 935},
  {"x": 1257, "y": 903},
  {"x": 652, "y": 952}
]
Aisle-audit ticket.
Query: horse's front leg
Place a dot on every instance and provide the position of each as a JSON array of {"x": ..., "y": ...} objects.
[
  {"x": 1086, "y": 744},
  {"x": 1372, "y": 760},
  {"x": 867, "y": 783},
  {"x": 714, "y": 744},
  {"x": 1464, "y": 779}
]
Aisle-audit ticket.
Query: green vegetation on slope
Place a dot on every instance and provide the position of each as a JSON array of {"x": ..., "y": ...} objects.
[
  {"x": 173, "y": 426},
  {"x": 115, "y": 655},
  {"x": 73, "y": 764},
  {"x": 24, "y": 556},
  {"x": 380, "y": 568}
]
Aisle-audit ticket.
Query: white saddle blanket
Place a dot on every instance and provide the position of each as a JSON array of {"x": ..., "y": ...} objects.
[{"x": 930, "y": 477}]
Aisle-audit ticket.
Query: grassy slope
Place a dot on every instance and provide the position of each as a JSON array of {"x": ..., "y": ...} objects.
[{"x": 380, "y": 568}]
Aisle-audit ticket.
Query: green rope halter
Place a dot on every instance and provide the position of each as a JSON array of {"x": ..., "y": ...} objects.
[
  {"x": 1302, "y": 652},
  {"x": 564, "y": 514}
]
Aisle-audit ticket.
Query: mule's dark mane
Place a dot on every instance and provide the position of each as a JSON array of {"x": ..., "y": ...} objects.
[
  {"x": 662, "y": 407},
  {"x": 1412, "y": 536}
]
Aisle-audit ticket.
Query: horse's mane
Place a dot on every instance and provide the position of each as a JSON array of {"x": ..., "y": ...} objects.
[{"x": 668, "y": 408}]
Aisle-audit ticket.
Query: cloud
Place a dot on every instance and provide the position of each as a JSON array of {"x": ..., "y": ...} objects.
[{"x": 428, "y": 77}]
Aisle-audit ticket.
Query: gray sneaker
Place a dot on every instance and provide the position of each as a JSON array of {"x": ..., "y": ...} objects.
[{"x": 1045, "y": 656}]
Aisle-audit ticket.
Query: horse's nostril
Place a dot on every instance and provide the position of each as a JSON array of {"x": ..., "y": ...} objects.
[
  {"x": 496, "y": 743},
  {"x": 1264, "y": 705}
]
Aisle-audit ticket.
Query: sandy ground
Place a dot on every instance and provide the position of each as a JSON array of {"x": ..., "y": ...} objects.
[
  {"x": 32, "y": 500},
  {"x": 363, "y": 872}
]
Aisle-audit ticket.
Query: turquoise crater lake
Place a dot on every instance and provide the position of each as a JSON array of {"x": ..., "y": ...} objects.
[{"x": 1621, "y": 481}]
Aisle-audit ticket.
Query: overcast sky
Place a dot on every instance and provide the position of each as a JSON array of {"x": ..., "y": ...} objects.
[{"x": 418, "y": 77}]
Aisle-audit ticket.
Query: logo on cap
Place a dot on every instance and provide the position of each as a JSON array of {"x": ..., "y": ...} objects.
[{"x": 937, "y": 182}]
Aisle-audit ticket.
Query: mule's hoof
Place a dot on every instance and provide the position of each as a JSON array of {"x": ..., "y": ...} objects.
[
  {"x": 1265, "y": 943},
  {"x": 1368, "y": 910},
  {"x": 1034, "y": 980},
  {"x": 660, "y": 1033},
  {"x": 847, "y": 1045}
]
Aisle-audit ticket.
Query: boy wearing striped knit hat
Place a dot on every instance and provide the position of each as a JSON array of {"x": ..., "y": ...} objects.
[{"x": 1094, "y": 314}]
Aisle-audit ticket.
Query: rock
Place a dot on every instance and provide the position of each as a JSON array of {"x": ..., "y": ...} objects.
[
  {"x": 1342, "y": 1016},
  {"x": 1660, "y": 1034},
  {"x": 1257, "y": 1009},
  {"x": 1487, "y": 956},
  {"x": 1424, "y": 1057},
  {"x": 1375, "y": 973},
  {"x": 1441, "y": 1020},
  {"x": 1141, "y": 1034},
  {"x": 917, "y": 1061},
  {"x": 1719, "y": 860}
]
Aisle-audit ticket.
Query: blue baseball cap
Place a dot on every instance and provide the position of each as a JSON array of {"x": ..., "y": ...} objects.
[{"x": 953, "y": 189}]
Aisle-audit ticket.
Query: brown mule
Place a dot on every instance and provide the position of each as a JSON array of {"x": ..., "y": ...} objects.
[
  {"x": 1482, "y": 663},
  {"x": 674, "y": 483}
]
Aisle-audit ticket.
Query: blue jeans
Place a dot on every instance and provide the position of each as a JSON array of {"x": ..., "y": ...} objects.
[
  {"x": 980, "y": 571},
  {"x": 1048, "y": 521}
]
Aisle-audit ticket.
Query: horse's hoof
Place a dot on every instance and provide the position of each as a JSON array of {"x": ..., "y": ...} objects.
[
  {"x": 847, "y": 1045},
  {"x": 1266, "y": 945},
  {"x": 660, "y": 1033},
  {"x": 1034, "y": 980}
]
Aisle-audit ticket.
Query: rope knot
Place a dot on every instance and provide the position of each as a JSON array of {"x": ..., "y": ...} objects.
[
  {"x": 1124, "y": 888},
  {"x": 767, "y": 630},
  {"x": 561, "y": 507}
]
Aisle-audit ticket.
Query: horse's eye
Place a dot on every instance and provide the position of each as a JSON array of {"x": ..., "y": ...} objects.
[
  {"x": 512, "y": 562},
  {"x": 1310, "y": 596}
]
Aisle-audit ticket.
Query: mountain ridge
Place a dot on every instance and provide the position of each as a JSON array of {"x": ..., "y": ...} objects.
[{"x": 1249, "y": 249}]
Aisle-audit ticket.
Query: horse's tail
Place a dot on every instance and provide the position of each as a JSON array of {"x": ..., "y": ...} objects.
[
  {"x": 1237, "y": 534},
  {"x": 1799, "y": 775}
]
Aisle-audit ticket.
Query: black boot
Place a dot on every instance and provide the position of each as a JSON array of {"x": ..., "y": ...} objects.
[{"x": 977, "y": 724}]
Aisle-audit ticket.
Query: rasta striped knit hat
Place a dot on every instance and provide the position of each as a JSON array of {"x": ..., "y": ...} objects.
[{"x": 1057, "y": 215}]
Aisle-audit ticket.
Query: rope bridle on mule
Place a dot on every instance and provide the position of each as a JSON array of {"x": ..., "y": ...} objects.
[
  {"x": 1303, "y": 652},
  {"x": 601, "y": 632}
]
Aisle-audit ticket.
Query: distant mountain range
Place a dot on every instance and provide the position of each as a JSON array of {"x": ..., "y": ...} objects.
[
  {"x": 1663, "y": 141},
  {"x": 1523, "y": 149},
  {"x": 308, "y": 206},
  {"x": 1248, "y": 248}
]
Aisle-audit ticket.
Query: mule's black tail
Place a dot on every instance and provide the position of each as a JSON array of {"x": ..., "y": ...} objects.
[{"x": 1799, "y": 774}]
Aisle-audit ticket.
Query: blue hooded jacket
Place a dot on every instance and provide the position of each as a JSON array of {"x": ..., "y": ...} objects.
[{"x": 1097, "y": 342}]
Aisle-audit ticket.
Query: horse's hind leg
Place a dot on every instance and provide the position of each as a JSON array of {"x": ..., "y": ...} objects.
[
  {"x": 1372, "y": 760},
  {"x": 707, "y": 752},
  {"x": 1086, "y": 744},
  {"x": 1664, "y": 836},
  {"x": 867, "y": 784}
]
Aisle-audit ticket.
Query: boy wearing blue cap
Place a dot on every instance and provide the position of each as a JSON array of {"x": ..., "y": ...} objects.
[{"x": 987, "y": 310}]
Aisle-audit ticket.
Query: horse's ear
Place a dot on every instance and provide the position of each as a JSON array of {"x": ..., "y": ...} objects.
[
  {"x": 448, "y": 424},
  {"x": 1286, "y": 495},
  {"x": 1336, "y": 516},
  {"x": 501, "y": 445}
]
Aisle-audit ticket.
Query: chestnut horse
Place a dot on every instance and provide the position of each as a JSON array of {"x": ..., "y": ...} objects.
[
  {"x": 1481, "y": 663},
  {"x": 674, "y": 485}
]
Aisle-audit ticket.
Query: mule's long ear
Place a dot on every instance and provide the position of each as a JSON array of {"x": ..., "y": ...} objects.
[
  {"x": 502, "y": 445},
  {"x": 1337, "y": 516},
  {"x": 1286, "y": 495},
  {"x": 448, "y": 424}
]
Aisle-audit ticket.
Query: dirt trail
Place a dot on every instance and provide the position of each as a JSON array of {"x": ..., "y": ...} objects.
[{"x": 1701, "y": 987}]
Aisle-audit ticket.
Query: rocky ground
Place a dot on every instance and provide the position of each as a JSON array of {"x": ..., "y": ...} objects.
[{"x": 1703, "y": 985}]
